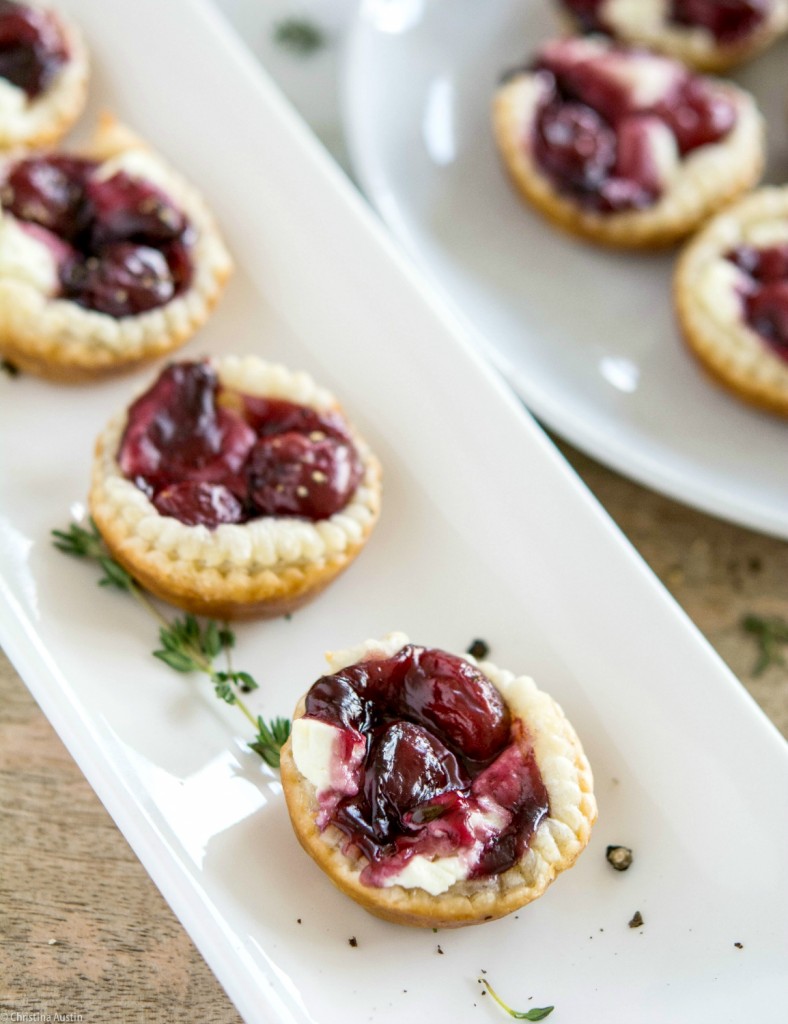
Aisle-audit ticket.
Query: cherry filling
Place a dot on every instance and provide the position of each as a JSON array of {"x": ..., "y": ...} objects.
[
  {"x": 208, "y": 455},
  {"x": 32, "y": 47},
  {"x": 121, "y": 246},
  {"x": 599, "y": 142},
  {"x": 727, "y": 20},
  {"x": 765, "y": 294},
  {"x": 444, "y": 770}
]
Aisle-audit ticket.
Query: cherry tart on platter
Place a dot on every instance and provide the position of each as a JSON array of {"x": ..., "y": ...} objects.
[
  {"x": 435, "y": 790},
  {"x": 43, "y": 75},
  {"x": 709, "y": 35},
  {"x": 622, "y": 146},
  {"x": 731, "y": 293},
  {"x": 108, "y": 258},
  {"x": 234, "y": 488}
]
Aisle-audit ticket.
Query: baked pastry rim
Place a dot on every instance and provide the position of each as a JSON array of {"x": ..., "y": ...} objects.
[
  {"x": 48, "y": 116},
  {"x": 265, "y": 567},
  {"x": 696, "y": 47},
  {"x": 737, "y": 160},
  {"x": 745, "y": 365},
  {"x": 56, "y": 338},
  {"x": 555, "y": 846}
]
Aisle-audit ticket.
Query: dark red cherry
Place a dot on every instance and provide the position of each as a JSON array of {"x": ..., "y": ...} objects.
[
  {"x": 32, "y": 47},
  {"x": 408, "y": 767},
  {"x": 278, "y": 416},
  {"x": 727, "y": 20},
  {"x": 122, "y": 280},
  {"x": 197, "y": 503},
  {"x": 698, "y": 114},
  {"x": 175, "y": 431},
  {"x": 767, "y": 314},
  {"x": 454, "y": 699},
  {"x": 575, "y": 146},
  {"x": 49, "y": 191},
  {"x": 127, "y": 208},
  {"x": 763, "y": 265},
  {"x": 336, "y": 700},
  {"x": 293, "y": 475},
  {"x": 587, "y": 14}
]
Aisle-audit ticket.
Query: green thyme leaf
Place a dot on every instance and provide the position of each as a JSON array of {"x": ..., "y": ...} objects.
[
  {"x": 770, "y": 634},
  {"x": 186, "y": 645},
  {"x": 537, "y": 1013},
  {"x": 299, "y": 36},
  {"x": 176, "y": 659},
  {"x": 270, "y": 739}
]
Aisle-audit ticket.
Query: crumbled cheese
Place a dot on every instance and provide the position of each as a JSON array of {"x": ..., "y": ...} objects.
[
  {"x": 26, "y": 258},
  {"x": 435, "y": 876}
]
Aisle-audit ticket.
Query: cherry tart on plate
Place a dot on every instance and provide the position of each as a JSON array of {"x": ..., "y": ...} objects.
[
  {"x": 433, "y": 789},
  {"x": 43, "y": 75},
  {"x": 622, "y": 146},
  {"x": 731, "y": 293},
  {"x": 234, "y": 488},
  {"x": 709, "y": 35},
  {"x": 108, "y": 258}
]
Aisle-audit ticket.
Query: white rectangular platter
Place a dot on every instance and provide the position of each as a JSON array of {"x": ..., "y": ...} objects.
[{"x": 485, "y": 532}]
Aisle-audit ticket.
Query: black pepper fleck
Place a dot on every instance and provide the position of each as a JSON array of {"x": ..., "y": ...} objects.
[
  {"x": 479, "y": 649},
  {"x": 298, "y": 920},
  {"x": 352, "y": 941},
  {"x": 637, "y": 920},
  {"x": 739, "y": 945},
  {"x": 439, "y": 950},
  {"x": 619, "y": 857}
]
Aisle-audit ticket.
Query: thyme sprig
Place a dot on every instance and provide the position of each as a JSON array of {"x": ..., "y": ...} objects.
[
  {"x": 537, "y": 1013},
  {"x": 770, "y": 633},
  {"x": 186, "y": 644},
  {"x": 299, "y": 36}
]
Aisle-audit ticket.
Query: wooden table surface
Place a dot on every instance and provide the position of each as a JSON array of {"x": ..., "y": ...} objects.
[{"x": 85, "y": 932}]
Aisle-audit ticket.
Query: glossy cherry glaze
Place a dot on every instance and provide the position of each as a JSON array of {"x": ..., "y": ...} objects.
[
  {"x": 728, "y": 21},
  {"x": 440, "y": 747},
  {"x": 127, "y": 246},
  {"x": 765, "y": 294},
  {"x": 597, "y": 142},
  {"x": 208, "y": 455},
  {"x": 32, "y": 47}
]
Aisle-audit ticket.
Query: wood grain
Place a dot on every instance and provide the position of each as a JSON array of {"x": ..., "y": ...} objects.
[{"x": 84, "y": 930}]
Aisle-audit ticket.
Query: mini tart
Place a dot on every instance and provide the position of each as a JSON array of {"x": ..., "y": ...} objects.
[
  {"x": 261, "y": 568},
  {"x": 43, "y": 118},
  {"x": 696, "y": 32},
  {"x": 46, "y": 333},
  {"x": 674, "y": 192},
  {"x": 554, "y": 845},
  {"x": 713, "y": 292}
]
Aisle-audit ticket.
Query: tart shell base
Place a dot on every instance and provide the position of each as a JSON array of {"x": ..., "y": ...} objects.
[
  {"x": 265, "y": 596},
  {"x": 59, "y": 340},
  {"x": 733, "y": 355},
  {"x": 719, "y": 176},
  {"x": 262, "y": 568},
  {"x": 553, "y": 849}
]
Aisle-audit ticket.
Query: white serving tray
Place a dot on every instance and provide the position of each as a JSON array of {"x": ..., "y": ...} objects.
[{"x": 485, "y": 532}]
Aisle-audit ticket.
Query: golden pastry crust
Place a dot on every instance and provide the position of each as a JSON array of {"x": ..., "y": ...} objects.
[
  {"x": 60, "y": 340},
  {"x": 259, "y": 569},
  {"x": 44, "y": 120},
  {"x": 555, "y": 846},
  {"x": 709, "y": 310},
  {"x": 704, "y": 181},
  {"x": 646, "y": 22}
]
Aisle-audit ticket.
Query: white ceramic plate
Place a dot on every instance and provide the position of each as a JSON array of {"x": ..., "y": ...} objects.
[
  {"x": 485, "y": 533},
  {"x": 585, "y": 336}
]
